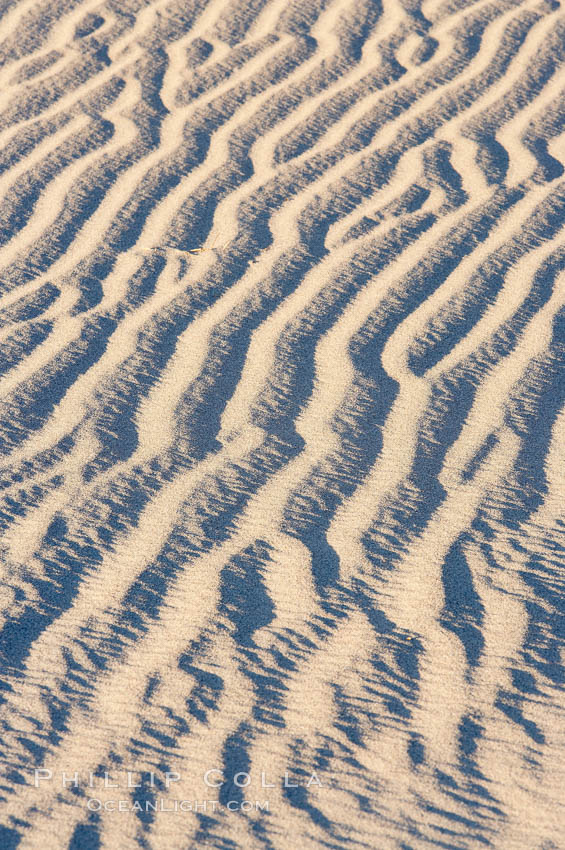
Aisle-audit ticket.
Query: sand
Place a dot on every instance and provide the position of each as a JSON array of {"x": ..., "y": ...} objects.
[{"x": 282, "y": 420}]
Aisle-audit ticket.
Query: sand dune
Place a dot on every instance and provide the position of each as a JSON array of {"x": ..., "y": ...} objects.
[{"x": 282, "y": 416}]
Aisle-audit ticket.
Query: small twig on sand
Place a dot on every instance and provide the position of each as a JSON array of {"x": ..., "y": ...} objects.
[{"x": 199, "y": 250}]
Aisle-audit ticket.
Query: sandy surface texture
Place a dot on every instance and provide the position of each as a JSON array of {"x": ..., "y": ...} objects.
[{"x": 282, "y": 425}]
